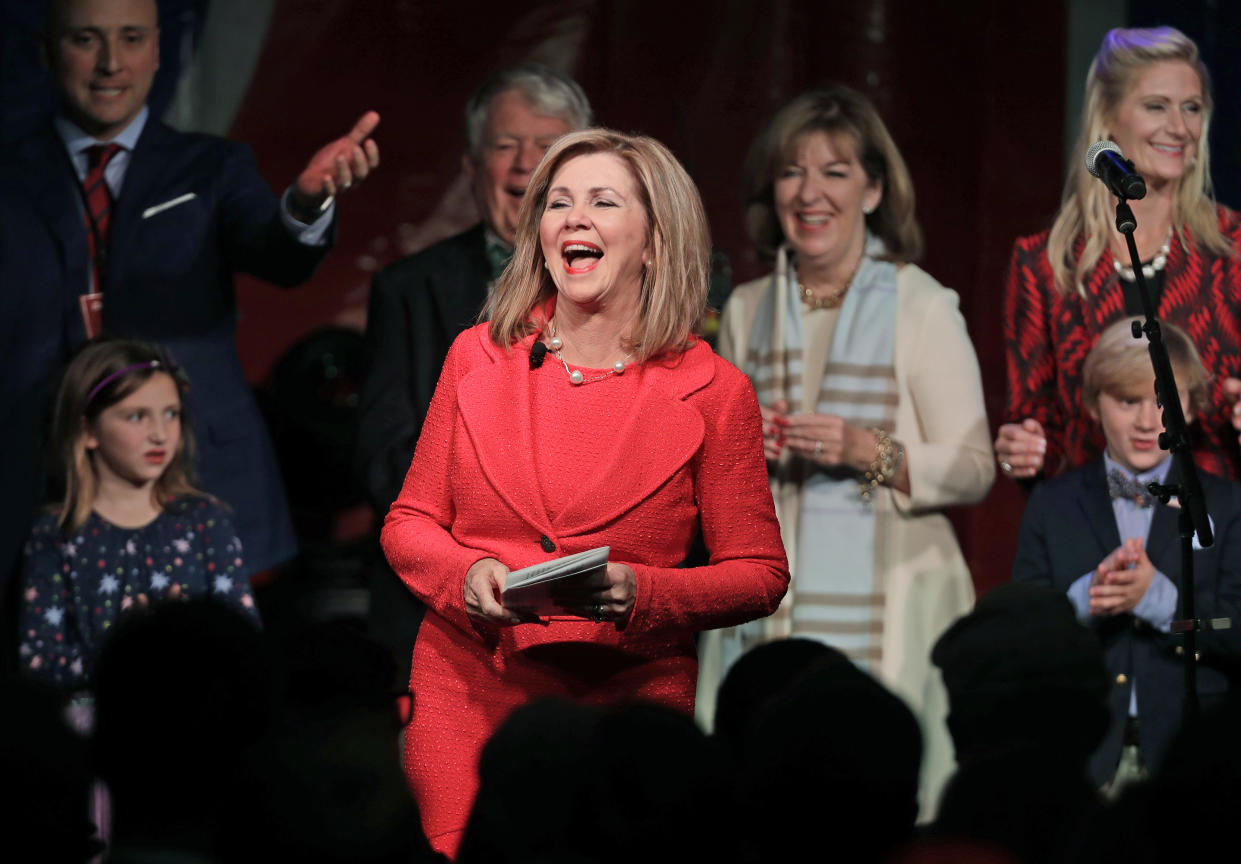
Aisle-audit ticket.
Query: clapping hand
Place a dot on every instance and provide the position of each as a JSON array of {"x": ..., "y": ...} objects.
[
  {"x": 1121, "y": 579},
  {"x": 829, "y": 440}
]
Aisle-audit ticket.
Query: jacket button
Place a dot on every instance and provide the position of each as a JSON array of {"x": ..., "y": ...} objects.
[
  {"x": 1122, "y": 678},
  {"x": 547, "y": 544}
]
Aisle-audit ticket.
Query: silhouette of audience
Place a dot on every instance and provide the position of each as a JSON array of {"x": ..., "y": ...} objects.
[
  {"x": 325, "y": 784},
  {"x": 212, "y": 748},
  {"x": 1189, "y": 804},
  {"x": 529, "y": 774},
  {"x": 1027, "y": 692},
  {"x": 566, "y": 783},
  {"x": 47, "y": 777},
  {"x": 216, "y": 747},
  {"x": 757, "y": 676},
  {"x": 652, "y": 789},
  {"x": 830, "y": 765},
  {"x": 181, "y": 694}
]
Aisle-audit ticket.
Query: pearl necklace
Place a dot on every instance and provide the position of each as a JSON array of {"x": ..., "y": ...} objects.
[
  {"x": 1156, "y": 264},
  {"x": 555, "y": 343}
]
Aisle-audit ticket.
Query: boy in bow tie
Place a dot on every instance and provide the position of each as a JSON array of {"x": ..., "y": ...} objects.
[{"x": 1097, "y": 534}]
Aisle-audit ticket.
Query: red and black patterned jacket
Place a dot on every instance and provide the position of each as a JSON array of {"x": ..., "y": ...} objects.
[{"x": 1048, "y": 336}]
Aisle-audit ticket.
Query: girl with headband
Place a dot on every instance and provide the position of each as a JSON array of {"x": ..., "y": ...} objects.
[{"x": 132, "y": 530}]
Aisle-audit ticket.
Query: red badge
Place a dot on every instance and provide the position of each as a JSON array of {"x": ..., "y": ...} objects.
[{"x": 92, "y": 313}]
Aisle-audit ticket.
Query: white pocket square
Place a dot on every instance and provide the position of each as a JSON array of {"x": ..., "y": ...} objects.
[{"x": 160, "y": 208}]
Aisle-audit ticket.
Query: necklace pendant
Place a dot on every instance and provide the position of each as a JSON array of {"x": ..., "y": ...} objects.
[
  {"x": 619, "y": 367},
  {"x": 576, "y": 377}
]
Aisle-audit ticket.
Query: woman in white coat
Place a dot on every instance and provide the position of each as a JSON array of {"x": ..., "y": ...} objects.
[{"x": 873, "y": 412}]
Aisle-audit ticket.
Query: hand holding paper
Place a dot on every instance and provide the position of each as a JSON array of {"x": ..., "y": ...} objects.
[
  {"x": 585, "y": 585},
  {"x": 484, "y": 585}
]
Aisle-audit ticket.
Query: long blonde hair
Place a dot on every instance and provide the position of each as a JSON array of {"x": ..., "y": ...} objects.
[
  {"x": 103, "y": 373},
  {"x": 674, "y": 282},
  {"x": 1086, "y": 208}
]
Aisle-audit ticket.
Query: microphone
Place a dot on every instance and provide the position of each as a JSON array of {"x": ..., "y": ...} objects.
[
  {"x": 537, "y": 352},
  {"x": 1105, "y": 161}
]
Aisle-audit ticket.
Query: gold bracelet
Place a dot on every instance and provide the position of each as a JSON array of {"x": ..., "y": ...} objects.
[{"x": 882, "y": 467}]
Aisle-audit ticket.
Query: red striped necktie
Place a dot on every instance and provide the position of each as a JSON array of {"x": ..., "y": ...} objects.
[{"x": 98, "y": 199}]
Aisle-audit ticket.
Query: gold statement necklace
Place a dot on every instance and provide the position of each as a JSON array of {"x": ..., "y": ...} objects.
[{"x": 831, "y": 301}]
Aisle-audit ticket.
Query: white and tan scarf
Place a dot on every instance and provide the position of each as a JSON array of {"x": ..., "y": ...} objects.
[{"x": 835, "y": 540}]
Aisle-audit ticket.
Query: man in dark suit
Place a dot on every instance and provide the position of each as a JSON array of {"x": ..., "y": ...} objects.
[
  {"x": 1096, "y": 534},
  {"x": 419, "y": 304},
  {"x": 115, "y": 223}
]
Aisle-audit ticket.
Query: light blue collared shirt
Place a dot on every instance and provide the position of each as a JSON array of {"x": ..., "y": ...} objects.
[
  {"x": 1158, "y": 605},
  {"x": 78, "y": 142}
]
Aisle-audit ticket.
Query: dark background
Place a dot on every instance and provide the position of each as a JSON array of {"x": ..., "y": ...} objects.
[{"x": 977, "y": 95}]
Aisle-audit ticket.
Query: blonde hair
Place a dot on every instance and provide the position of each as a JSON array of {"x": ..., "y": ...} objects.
[
  {"x": 674, "y": 282},
  {"x": 845, "y": 115},
  {"x": 104, "y": 372},
  {"x": 1086, "y": 208},
  {"x": 1119, "y": 363}
]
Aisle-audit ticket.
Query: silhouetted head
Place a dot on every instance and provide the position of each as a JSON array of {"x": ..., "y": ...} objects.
[
  {"x": 1021, "y": 670},
  {"x": 833, "y": 764},
  {"x": 758, "y": 675}
]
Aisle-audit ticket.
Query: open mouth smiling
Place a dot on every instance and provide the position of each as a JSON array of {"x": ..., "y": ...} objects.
[
  {"x": 812, "y": 220},
  {"x": 107, "y": 90},
  {"x": 580, "y": 257}
]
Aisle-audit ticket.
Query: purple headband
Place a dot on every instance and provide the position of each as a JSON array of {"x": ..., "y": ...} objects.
[{"x": 108, "y": 379}]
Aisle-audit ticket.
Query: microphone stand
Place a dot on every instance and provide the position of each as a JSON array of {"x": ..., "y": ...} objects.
[{"x": 1187, "y": 485}]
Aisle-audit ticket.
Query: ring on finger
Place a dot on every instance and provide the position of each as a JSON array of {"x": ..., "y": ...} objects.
[
  {"x": 1006, "y": 467},
  {"x": 818, "y": 449},
  {"x": 598, "y": 616}
]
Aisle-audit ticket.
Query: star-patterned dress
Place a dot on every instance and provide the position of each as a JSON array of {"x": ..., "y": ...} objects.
[{"x": 76, "y": 588}]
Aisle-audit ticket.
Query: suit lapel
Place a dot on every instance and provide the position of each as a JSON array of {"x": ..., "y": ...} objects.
[
  {"x": 54, "y": 192},
  {"x": 661, "y": 434},
  {"x": 1096, "y": 507},
  {"x": 146, "y": 165},
  {"x": 503, "y": 442}
]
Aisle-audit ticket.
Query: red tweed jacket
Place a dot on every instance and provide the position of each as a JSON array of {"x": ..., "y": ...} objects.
[
  {"x": 687, "y": 455},
  {"x": 1048, "y": 336}
]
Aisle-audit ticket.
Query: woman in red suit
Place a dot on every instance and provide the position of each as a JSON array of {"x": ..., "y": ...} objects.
[
  {"x": 632, "y": 434},
  {"x": 1149, "y": 92}
]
